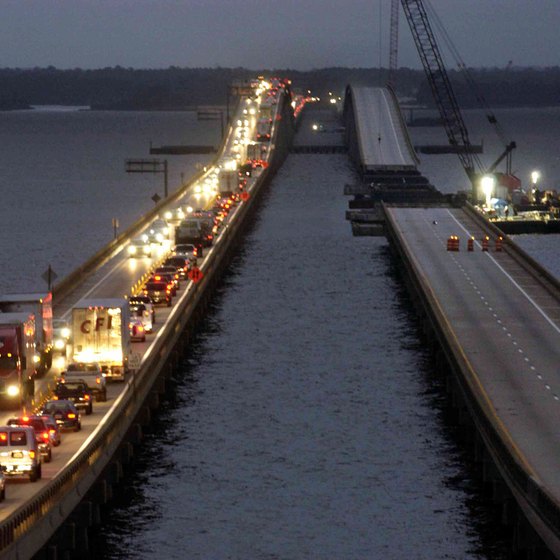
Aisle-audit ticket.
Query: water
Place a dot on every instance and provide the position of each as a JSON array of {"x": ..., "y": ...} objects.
[
  {"x": 63, "y": 180},
  {"x": 306, "y": 420}
]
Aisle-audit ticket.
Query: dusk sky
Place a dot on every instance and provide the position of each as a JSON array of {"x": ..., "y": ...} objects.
[{"x": 262, "y": 34}]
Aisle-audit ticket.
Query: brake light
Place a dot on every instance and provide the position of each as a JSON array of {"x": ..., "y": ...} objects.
[
  {"x": 3, "y": 436},
  {"x": 86, "y": 397},
  {"x": 98, "y": 380},
  {"x": 25, "y": 419},
  {"x": 71, "y": 415},
  {"x": 157, "y": 277},
  {"x": 45, "y": 435}
]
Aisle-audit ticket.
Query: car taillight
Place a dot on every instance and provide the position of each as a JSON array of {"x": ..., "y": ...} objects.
[
  {"x": 86, "y": 397},
  {"x": 98, "y": 380},
  {"x": 71, "y": 415},
  {"x": 45, "y": 435},
  {"x": 32, "y": 454}
]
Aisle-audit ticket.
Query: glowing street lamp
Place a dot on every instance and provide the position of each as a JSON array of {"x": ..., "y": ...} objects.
[{"x": 487, "y": 184}]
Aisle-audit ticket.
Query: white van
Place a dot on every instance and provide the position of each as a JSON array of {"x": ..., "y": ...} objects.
[{"x": 19, "y": 453}]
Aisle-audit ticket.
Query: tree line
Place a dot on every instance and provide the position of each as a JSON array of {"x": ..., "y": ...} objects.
[{"x": 177, "y": 88}]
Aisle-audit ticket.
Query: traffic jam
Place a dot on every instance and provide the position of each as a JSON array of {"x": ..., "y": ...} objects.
[{"x": 99, "y": 340}]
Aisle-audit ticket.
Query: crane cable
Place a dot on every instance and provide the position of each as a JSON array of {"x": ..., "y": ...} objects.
[{"x": 491, "y": 117}]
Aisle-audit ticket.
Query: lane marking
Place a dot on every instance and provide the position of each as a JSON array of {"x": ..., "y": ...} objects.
[{"x": 529, "y": 298}]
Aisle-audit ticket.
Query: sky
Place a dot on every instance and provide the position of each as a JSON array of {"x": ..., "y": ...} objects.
[{"x": 266, "y": 34}]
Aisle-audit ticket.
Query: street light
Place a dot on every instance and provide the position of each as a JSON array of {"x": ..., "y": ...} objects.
[{"x": 487, "y": 184}]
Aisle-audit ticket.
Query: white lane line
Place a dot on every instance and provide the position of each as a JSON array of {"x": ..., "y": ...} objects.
[
  {"x": 112, "y": 271},
  {"x": 529, "y": 298}
]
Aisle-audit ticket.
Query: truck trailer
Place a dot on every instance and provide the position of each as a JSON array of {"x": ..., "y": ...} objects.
[
  {"x": 100, "y": 334},
  {"x": 40, "y": 304},
  {"x": 18, "y": 358}
]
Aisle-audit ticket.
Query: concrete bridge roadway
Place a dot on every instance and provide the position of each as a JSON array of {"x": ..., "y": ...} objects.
[
  {"x": 115, "y": 278},
  {"x": 507, "y": 324}
]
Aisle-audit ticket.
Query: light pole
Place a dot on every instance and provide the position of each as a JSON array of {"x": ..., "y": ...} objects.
[
  {"x": 535, "y": 176},
  {"x": 487, "y": 184}
]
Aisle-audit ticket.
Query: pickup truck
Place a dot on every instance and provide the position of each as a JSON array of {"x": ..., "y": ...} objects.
[
  {"x": 76, "y": 392},
  {"x": 91, "y": 374}
]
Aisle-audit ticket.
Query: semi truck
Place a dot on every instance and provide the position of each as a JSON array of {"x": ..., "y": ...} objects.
[
  {"x": 100, "y": 334},
  {"x": 40, "y": 304},
  {"x": 18, "y": 358}
]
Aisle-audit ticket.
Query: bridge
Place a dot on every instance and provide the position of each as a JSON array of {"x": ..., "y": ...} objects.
[
  {"x": 491, "y": 313},
  {"x": 84, "y": 469},
  {"x": 492, "y": 317}
]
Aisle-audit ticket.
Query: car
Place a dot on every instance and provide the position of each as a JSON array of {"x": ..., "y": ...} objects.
[
  {"x": 19, "y": 452},
  {"x": 140, "y": 312},
  {"x": 181, "y": 265},
  {"x": 136, "y": 328},
  {"x": 159, "y": 230},
  {"x": 77, "y": 392},
  {"x": 172, "y": 271},
  {"x": 187, "y": 250},
  {"x": 54, "y": 430},
  {"x": 61, "y": 335},
  {"x": 169, "y": 280},
  {"x": 41, "y": 430},
  {"x": 147, "y": 302},
  {"x": 159, "y": 291},
  {"x": 139, "y": 248},
  {"x": 89, "y": 373},
  {"x": 174, "y": 215},
  {"x": 66, "y": 415}
]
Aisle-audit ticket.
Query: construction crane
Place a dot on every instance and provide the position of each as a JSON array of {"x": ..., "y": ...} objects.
[{"x": 444, "y": 96}]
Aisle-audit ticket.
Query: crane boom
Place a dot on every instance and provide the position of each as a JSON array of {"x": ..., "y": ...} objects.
[{"x": 440, "y": 85}]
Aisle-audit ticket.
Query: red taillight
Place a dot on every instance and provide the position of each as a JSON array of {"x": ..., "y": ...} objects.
[
  {"x": 86, "y": 397},
  {"x": 71, "y": 415},
  {"x": 25, "y": 419},
  {"x": 3, "y": 437},
  {"x": 157, "y": 278},
  {"x": 98, "y": 380},
  {"x": 45, "y": 435}
]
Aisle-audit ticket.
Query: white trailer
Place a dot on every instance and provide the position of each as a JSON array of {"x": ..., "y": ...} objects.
[{"x": 100, "y": 334}]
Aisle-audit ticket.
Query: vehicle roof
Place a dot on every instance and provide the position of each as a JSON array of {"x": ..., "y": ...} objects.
[
  {"x": 101, "y": 302},
  {"x": 155, "y": 283},
  {"x": 140, "y": 299}
]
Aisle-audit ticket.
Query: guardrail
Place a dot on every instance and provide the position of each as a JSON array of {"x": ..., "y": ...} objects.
[
  {"x": 26, "y": 531},
  {"x": 541, "y": 509}
]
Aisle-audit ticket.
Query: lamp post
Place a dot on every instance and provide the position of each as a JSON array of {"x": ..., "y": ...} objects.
[
  {"x": 535, "y": 176},
  {"x": 487, "y": 184}
]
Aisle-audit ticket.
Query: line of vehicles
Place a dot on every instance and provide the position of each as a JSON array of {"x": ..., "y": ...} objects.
[{"x": 97, "y": 340}]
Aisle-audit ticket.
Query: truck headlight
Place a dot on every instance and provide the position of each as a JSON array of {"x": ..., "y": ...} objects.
[{"x": 12, "y": 390}]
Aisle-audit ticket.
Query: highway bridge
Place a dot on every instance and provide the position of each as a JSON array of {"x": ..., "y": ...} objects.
[
  {"x": 492, "y": 316},
  {"x": 84, "y": 467}
]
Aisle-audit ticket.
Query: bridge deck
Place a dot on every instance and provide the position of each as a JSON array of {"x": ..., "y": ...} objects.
[
  {"x": 381, "y": 135},
  {"x": 507, "y": 325}
]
